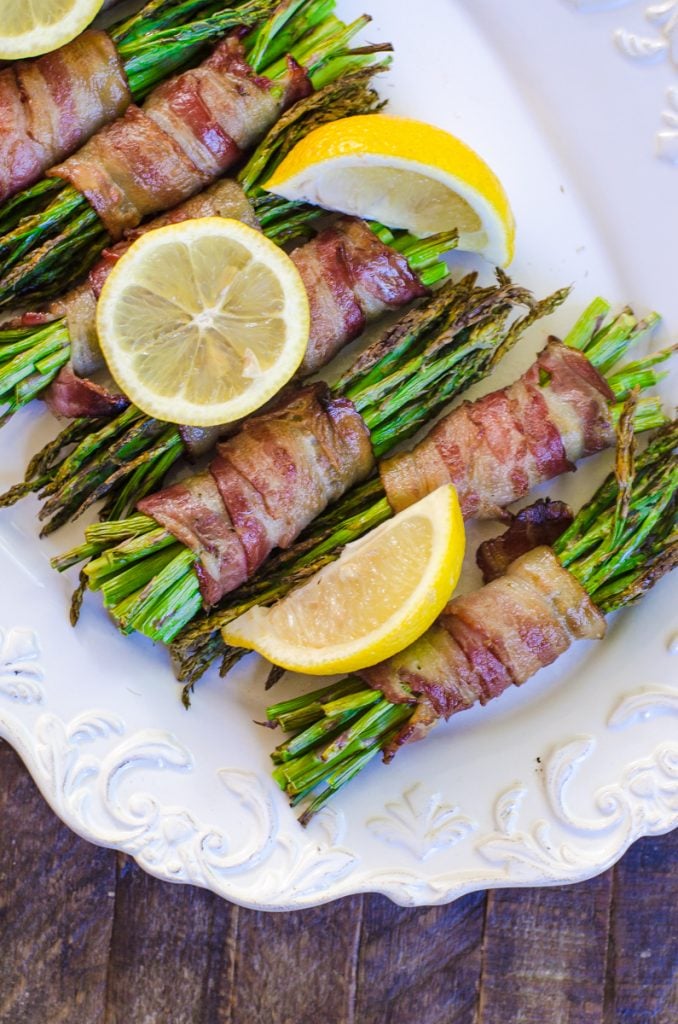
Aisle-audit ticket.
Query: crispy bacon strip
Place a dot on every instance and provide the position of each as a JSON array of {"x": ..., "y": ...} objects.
[
  {"x": 130, "y": 170},
  {"x": 190, "y": 130},
  {"x": 273, "y": 478},
  {"x": 51, "y": 105},
  {"x": 495, "y": 450},
  {"x": 351, "y": 278},
  {"x": 223, "y": 199},
  {"x": 485, "y": 641},
  {"x": 538, "y": 524},
  {"x": 286, "y": 466},
  {"x": 70, "y": 394},
  {"x": 193, "y": 512}
]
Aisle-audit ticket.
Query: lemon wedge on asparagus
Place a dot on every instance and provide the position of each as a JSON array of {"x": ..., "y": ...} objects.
[
  {"x": 38, "y": 26},
  {"x": 202, "y": 322},
  {"x": 380, "y": 595},
  {"x": 404, "y": 174}
]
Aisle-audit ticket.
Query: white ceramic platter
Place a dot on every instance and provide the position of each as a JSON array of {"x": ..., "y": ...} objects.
[{"x": 576, "y": 106}]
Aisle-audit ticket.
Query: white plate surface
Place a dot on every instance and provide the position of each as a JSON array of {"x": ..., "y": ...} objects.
[{"x": 576, "y": 106}]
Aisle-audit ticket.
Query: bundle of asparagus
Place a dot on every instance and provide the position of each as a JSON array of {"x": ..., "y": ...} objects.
[
  {"x": 150, "y": 581},
  {"x": 98, "y": 75},
  {"x": 602, "y": 343},
  {"x": 618, "y": 546},
  {"x": 155, "y": 157}
]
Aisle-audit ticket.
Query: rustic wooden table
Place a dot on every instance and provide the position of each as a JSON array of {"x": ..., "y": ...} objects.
[{"x": 87, "y": 937}]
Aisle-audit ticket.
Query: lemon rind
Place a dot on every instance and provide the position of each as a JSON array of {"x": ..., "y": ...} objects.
[{"x": 348, "y": 141}]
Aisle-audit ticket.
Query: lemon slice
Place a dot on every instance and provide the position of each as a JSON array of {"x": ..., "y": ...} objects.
[
  {"x": 203, "y": 321},
  {"x": 38, "y": 26},
  {"x": 402, "y": 173},
  {"x": 382, "y": 593}
]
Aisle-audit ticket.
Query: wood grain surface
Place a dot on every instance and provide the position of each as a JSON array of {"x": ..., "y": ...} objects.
[{"x": 86, "y": 937}]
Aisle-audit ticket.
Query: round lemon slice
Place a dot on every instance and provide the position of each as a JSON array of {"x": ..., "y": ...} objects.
[
  {"x": 203, "y": 321},
  {"x": 380, "y": 595},
  {"x": 404, "y": 174},
  {"x": 38, "y": 26}
]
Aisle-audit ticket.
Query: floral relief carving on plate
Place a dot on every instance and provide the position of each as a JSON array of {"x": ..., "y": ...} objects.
[
  {"x": 659, "y": 43},
  {"x": 83, "y": 766},
  {"x": 643, "y": 800},
  {"x": 522, "y": 850},
  {"x": 643, "y": 704},
  {"x": 421, "y": 823},
  {"x": 308, "y": 861},
  {"x": 89, "y": 768}
]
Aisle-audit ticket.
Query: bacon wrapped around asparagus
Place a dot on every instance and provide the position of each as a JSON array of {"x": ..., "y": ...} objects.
[
  {"x": 276, "y": 475},
  {"x": 495, "y": 449},
  {"x": 52, "y": 105},
  {"x": 487, "y": 641},
  {"x": 616, "y": 549},
  {"x": 190, "y": 130},
  {"x": 264, "y": 482},
  {"x": 282, "y": 468}
]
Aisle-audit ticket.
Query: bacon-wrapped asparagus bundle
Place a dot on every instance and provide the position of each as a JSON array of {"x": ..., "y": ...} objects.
[
  {"x": 273, "y": 477},
  {"x": 189, "y": 131},
  {"x": 495, "y": 450},
  {"x": 50, "y": 106},
  {"x": 618, "y": 546}
]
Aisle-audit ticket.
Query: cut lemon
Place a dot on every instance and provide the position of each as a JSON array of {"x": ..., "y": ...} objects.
[
  {"x": 381, "y": 594},
  {"x": 203, "y": 321},
  {"x": 29, "y": 29},
  {"x": 404, "y": 174}
]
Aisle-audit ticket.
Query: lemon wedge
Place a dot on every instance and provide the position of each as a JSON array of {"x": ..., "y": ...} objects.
[
  {"x": 29, "y": 29},
  {"x": 203, "y": 321},
  {"x": 380, "y": 595},
  {"x": 404, "y": 174}
]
